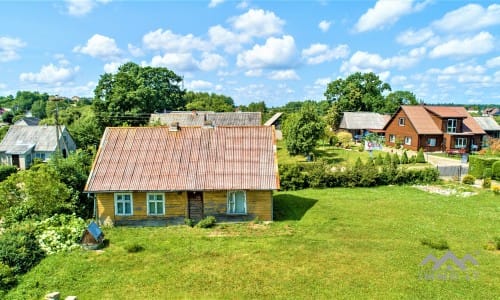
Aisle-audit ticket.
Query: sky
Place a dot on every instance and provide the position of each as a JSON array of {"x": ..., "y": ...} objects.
[{"x": 271, "y": 51}]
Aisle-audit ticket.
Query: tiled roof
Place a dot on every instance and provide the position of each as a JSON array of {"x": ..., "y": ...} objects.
[
  {"x": 487, "y": 123},
  {"x": 192, "y": 158},
  {"x": 421, "y": 119},
  {"x": 363, "y": 120},
  {"x": 25, "y": 137},
  {"x": 217, "y": 119},
  {"x": 448, "y": 111}
]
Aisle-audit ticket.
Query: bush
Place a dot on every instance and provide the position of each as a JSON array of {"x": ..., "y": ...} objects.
[
  {"x": 486, "y": 183},
  {"x": 7, "y": 277},
  {"x": 487, "y": 173},
  {"x": 387, "y": 159},
  {"x": 420, "y": 156},
  {"x": 344, "y": 138},
  {"x": 404, "y": 158},
  {"x": 438, "y": 245},
  {"x": 60, "y": 233},
  {"x": 207, "y": 222},
  {"x": 395, "y": 159},
  {"x": 477, "y": 165},
  {"x": 496, "y": 241},
  {"x": 19, "y": 248},
  {"x": 189, "y": 222},
  {"x": 379, "y": 160},
  {"x": 292, "y": 177},
  {"x": 469, "y": 179},
  {"x": 5, "y": 171},
  {"x": 495, "y": 170}
]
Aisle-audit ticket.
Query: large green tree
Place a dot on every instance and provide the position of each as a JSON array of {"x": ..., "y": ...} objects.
[
  {"x": 358, "y": 92},
  {"x": 208, "y": 102},
  {"x": 397, "y": 98},
  {"x": 134, "y": 92},
  {"x": 302, "y": 130}
]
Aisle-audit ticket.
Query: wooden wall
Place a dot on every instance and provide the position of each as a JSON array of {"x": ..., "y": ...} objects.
[
  {"x": 259, "y": 205},
  {"x": 401, "y": 131}
]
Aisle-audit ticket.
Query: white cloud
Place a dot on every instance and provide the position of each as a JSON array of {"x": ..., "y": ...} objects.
[
  {"x": 211, "y": 61},
  {"x": 320, "y": 53},
  {"x": 324, "y": 25},
  {"x": 386, "y": 12},
  {"x": 284, "y": 75},
  {"x": 50, "y": 74},
  {"x": 364, "y": 61},
  {"x": 469, "y": 17},
  {"x": 169, "y": 41},
  {"x": 9, "y": 47},
  {"x": 275, "y": 53},
  {"x": 214, "y": 3},
  {"x": 254, "y": 73},
  {"x": 199, "y": 85},
  {"x": 135, "y": 51},
  {"x": 322, "y": 82},
  {"x": 100, "y": 46},
  {"x": 411, "y": 37},
  {"x": 112, "y": 67},
  {"x": 79, "y": 7},
  {"x": 242, "y": 5},
  {"x": 493, "y": 62},
  {"x": 220, "y": 36},
  {"x": 3, "y": 86},
  {"x": 175, "y": 61},
  {"x": 482, "y": 43},
  {"x": 258, "y": 23}
]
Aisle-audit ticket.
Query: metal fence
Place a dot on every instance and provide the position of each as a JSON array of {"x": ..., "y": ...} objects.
[{"x": 452, "y": 171}]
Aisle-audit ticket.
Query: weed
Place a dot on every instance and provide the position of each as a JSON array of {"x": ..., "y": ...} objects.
[{"x": 435, "y": 244}]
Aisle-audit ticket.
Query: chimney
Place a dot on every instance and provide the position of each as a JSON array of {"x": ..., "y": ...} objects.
[
  {"x": 174, "y": 126},
  {"x": 208, "y": 124},
  {"x": 194, "y": 112}
]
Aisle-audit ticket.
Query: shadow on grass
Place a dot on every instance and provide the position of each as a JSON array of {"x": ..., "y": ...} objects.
[
  {"x": 328, "y": 155},
  {"x": 290, "y": 207}
]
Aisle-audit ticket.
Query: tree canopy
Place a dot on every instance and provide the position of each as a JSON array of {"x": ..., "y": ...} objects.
[
  {"x": 302, "y": 130},
  {"x": 134, "y": 92},
  {"x": 208, "y": 102}
]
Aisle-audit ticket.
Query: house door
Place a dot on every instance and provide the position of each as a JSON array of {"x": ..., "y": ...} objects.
[
  {"x": 195, "y": 205},
  {"x": 15, "y": 160}
]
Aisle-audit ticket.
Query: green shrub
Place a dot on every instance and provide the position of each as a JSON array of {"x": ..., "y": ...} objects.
[
  {"x": 19, "y": 248},
  {"x": 379, "y": 160},
  {"x": 496, "y": 241},
  {"x": 469, "y": 179},
  {"x": 477, "y": 165},
  {"x": 60, "y": 233},
  {"x": 7, "y": 277},
  {"x": 134, "y": 248},
  {"x": 420, "y": 156},
  {"x": 5, "y": 171},
  {"x": 292, "y": 177},
  {"x": 438, "y": 245},
  {"x": 344, "y": 138},
  {"x": 189, "y": 222},
  {"x": 404, "y": 158},
  {"x": 412, "y": 159},
  {"x": 387, "y": 158},
  {"x": 487, "y": 173},
  {"x": 486, "y": 183},
  {"x": 395, "y": 159},
  {"x": 207, "y": 222},
  {"x": 495, "y": 170}
]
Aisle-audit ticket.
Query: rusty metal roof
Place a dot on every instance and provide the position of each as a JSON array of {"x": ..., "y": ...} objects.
[{"x": 192, "y": 158}]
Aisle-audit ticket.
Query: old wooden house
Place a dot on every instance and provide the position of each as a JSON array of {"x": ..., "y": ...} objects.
[{"x": 162, "y": 175}]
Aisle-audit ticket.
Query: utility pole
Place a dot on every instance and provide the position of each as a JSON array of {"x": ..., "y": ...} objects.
[{"x": 56, "y": 100}]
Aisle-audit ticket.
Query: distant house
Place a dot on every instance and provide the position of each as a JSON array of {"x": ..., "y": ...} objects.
[
  {"x": 22, "y": 144},
  {"x": 160, "y": 175},
  {"x": 489, "y": 125},
  {"x": 27, "y": 121},
  {"x": 275, "y": 121},
  {"x": 434, "y": 128},
  {"x": 199, "y": 118},
  {"x": 360, "y": 123},
  {"x": 491, "y": 111}
]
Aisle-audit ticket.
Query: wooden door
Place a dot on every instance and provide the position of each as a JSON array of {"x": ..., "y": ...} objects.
[{"x": 195, "y": 205}]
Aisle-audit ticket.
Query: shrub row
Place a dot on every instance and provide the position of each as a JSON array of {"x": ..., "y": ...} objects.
[
  {"x": 319, "y": 175},
  {"x": 480, "y": 166}
]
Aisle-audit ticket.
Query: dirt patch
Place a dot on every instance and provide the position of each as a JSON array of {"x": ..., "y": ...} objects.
[{"x": 446, "y": 190}]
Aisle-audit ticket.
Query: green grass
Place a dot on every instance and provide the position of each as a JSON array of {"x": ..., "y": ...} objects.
[
  {"x": 324, "y": 244},
  {"x": 455, "y": 156}
]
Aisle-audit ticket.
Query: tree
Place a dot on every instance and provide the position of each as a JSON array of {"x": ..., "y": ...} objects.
[
  {"x": 395, "y": 99},
  {"x": 135, "y": 92},
  {"x": 208, "y": 102},
  {"x": 302, "y": 130},
  {"x": 358, "y": 92},
  {"x": 38, "y": 109}
]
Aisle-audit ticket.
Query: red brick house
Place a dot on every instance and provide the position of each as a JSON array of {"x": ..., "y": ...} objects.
[{"x": 434, "y": 128}]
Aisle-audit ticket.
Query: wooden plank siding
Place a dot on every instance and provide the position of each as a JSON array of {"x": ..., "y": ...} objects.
[
  {"x": 402, "y": 131},
  {"x": 259, "y": 205}
]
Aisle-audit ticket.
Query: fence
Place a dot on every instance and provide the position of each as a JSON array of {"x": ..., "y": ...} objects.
[{"x": 452, "y": 171}]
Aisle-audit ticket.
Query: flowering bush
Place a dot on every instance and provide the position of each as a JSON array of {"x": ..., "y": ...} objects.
[{"x": 60, "y": 233}]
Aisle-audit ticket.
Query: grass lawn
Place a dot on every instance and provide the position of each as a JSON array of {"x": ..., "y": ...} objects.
[{"x": 324, "y": 244}]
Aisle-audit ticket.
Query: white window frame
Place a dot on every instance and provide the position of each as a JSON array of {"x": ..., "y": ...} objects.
[
  {"x": 117, "y": 195},
  {"x": 401, "y": 121},
  {"x": 461, "y": 145},
  {"x": 433, "y": 143},
  {"x": 451, "y": 128},
  {"x": 156, "y": 201},
  {"x": 231, "y": 205},
  {"x": 407, "y": 140},
  {"x": 392, "y": 138}
]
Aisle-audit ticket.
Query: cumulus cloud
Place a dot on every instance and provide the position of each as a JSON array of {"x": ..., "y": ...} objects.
[
  {"x": 254, "y": 73},
  {"x": 493, "y": 62},
  {"x": 112, "y": 67},
  {"x": 50, "y": 74},
  {"x": 469, "y": 17},
  {"x": 199, "y": 85},
  {"x": 214, "y": 3},
  {"x": 320, "y": 53},
  {"x": 175, "y": 61},
  {"x": 481, "y": 43},
  {"x": 169, "y": 41},
  {"x": 220, "y": 36},
  {"x": 323, "y": 81},
  {"x": 135, "y": 51},
  {"x": 284, "y": 75},
  {"x": 275, "y": 53},
  {"x": 324, "y": 25},
  {"x": 258, "y": 23},
  {"x": 211, "y": 61},
  {"x": 386, "y": 12},
  {"x": 100, "y": 46},
  {"x": 371, "y": 62},
  {"x": 412, "y": 37},
  {"x": 9, "y": 47},
  {"x": 80, "y": 8}
]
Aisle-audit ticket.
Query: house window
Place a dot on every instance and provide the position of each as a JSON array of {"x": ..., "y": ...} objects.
[
  {"x": 401, "y": 121},
  {"x": 156, "y": 204},
  {"x": 407, "y": 140},
  {"x": 451, "y": 126},
  {"x": 392, "y": 138},
  {"x": 460, "y": 142},
  {"x": 236, "y": 202},
  {"x": 40, "y": 155},
  {"x": 431, "y": 142},
  {"x": 123, "y": 204}
]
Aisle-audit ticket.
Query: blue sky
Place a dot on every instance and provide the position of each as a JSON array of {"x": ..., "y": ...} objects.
[{"x": 272, "y": 51}]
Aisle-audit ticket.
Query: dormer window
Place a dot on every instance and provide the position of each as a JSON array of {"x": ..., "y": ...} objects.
[
  {"x": 401, "y": 121},
  {"x": 451, "y": 126}
]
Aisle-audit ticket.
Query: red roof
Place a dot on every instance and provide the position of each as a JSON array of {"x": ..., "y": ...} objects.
[
  {"x": 192, "y": 158},
  {"x": 448, "y": 111},
  {"x": 421, "y": 120}
]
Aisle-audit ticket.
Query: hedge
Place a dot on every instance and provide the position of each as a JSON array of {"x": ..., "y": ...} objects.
[
  {"x": 478, "y": 164},
  {"x": 495, "y": 170}
]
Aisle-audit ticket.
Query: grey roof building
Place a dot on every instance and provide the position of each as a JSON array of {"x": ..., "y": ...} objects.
[
  {"x": 489, "y": 125},
  {"x": 199, "y": 118}
]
